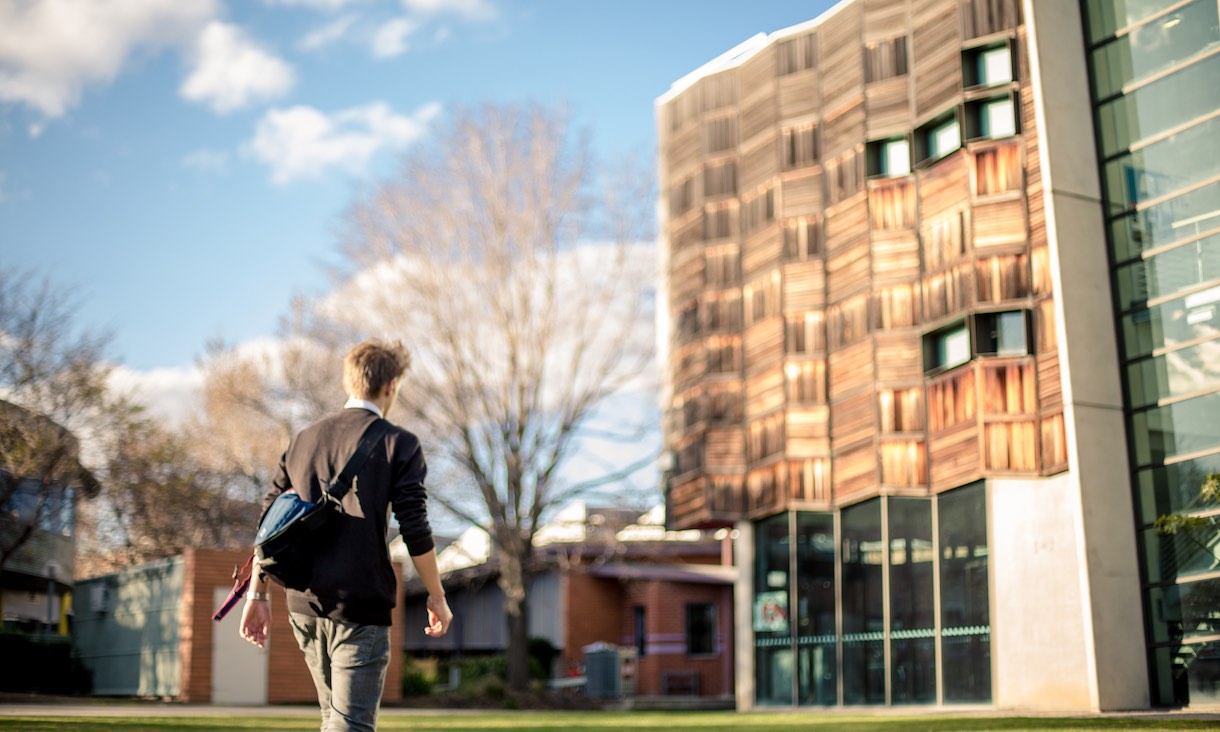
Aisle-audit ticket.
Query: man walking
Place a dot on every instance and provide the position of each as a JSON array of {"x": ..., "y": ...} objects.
[{"x": 342, "y": 619}]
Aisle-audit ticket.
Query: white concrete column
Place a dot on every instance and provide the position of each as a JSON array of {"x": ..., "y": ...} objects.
[
  {"x": 1114, "y": 652},
  {"x": 743, "y": 616}
]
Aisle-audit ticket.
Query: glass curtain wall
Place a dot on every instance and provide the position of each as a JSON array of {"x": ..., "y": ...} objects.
[
  {"x": 1155, "y": 81},
  {"x": 880, "y": 611}
]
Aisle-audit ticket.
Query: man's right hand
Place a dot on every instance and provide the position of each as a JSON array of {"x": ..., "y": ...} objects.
[
  {"x": 256, "y": 622},
  {"x": 439, "y": 616}
]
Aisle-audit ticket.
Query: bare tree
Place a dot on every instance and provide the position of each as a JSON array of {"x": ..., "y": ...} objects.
[
  {"x": 519, "y": 275},
  {"x": 52, "y": 383}
]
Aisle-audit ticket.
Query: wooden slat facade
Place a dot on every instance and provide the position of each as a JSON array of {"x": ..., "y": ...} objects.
[{"x": 806, "y": 297}]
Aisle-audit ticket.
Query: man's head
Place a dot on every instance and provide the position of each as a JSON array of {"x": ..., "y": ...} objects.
[{"x": 373, "y": 368}]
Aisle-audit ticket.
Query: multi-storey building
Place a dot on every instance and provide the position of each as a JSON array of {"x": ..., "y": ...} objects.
[{"x": 942, "y": 344}]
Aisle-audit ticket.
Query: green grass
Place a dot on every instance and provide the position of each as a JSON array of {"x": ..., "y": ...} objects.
[{"x": 632, "y": 722}]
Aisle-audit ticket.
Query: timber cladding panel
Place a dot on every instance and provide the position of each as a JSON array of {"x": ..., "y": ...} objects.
[{"x": 875, "y": 262}]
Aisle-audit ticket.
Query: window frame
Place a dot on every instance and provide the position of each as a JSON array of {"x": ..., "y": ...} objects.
[{"x": 712, "y": 621}]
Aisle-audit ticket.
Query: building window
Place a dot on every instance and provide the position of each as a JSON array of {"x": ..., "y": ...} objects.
[
  {"x": 805, "y": 333},
  {"x": 639, "y": 616},
  {"x": 992, "y": 118},
  {"x": 806, "y": 382},
  {"x": 718, "y": 223},
  {"x": 941, "y": 138},
  {"x": 700, "y": 629},
  {"x": 758, "y": 212},
  {"x": 799, "y": 146},
  {"x": 889, "y": 158},
  {"x": 797, "y": 54},
  {"x": 719, "y": 135},
  {"x": 885, "y": 59},
  {"x": 989, "y": 66},
  {"x": 1002, "y": 334},
  {"x": 946, "y": 348},
  {"x": 762, "y": 298},
  {"x": 802, "y": 238}
]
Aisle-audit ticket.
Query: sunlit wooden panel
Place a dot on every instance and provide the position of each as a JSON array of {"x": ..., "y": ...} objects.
[
  {"x": 891, "y": 205},
  {"x": 943, "y": 186},
  {"x": 985, "y": 17},
  {"x": 847, "y": 226},
  {"x": 953, "y": 457},
  {"x": 808, "y": 432},
  {"x": 759, "y": 115},
  {"x": 937, "y": 52},
  {"x": 690, "y": 364},
  {"x": 853, "y": 419},
  {"x": 798, "y": 94},
  {"x": 809, "y": 480},
  {"x": 759, "y": 162},
  {"x": 888, "y": 105},
  {"x": 757, "y": 74},
  {"x": 900, "y": 410},
  {"x": 764, "y": 392},
  {"x": 903, "y": 463},
  {"x": 896, "y": 306},
  {"x": 1050, "y": 382},
  {"x": 726, "y": 495},
  {"x": 948, "y": 292},
  {"x": 839, "y": 45},
  {"x": 765, "y": 488},
  {"x": 1040, "y": 270},
  {"x": 1046, "y": 335},
  {"x": 943, "y": 239},
  {"x": 801, "y": 193},
  {"x": 1006, "y": 277},
  {"x": 898, "y": 357},
  {"x": 1009, "y": 388},
  {"x": 855, "y": 471},
  {"x": 718, "y": 91},
  {"x": 952, "y": 400},
  {"x": 847, "y": 322},
  {"x": 842, "y": 127},
  {"x": 1011, "y": 446},
  {"x": 884, "y": 18},
  {"x": 687, "y": 502},
  {"x": 804, "y": 286},
  {"x": 685, "y": 148},
  {"x": 851, "y": 370},
  {"x": 847, "y": 270},
  {"x": 762, "y": 252},
  {"x": 998, "y": 169},
  {"x": 1054, "y": 444},
  {"x": 725, "y": 449},
  {"x": 844, "y": 176},
  {"x": 999, "y": 224},
  {"x": 764, "y": 344},
  {"x": 806, "y": 382},
  {"x": 895, "y": 256}
]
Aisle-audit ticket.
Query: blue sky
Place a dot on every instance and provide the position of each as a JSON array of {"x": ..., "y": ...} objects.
[{"x": 182, "y": 166}]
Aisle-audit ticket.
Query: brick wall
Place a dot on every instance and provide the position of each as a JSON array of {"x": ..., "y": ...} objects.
[
  {"x": 288, "y": 678},
  {"x": 665, "y": 634},
  {"x": 594, "y": 608}
]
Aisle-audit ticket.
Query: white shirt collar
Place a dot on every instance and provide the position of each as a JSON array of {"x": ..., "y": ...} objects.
[{"x": 355, "y": 403}]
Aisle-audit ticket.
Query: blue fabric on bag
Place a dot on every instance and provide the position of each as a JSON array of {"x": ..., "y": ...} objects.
[{"x": 287, "y": 507}]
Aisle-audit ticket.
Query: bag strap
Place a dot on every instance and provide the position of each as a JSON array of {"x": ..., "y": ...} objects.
[{"x": 372, "y": 436}]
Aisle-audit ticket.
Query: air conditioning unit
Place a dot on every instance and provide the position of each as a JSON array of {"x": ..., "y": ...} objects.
[{"x": 99, "y": 598}]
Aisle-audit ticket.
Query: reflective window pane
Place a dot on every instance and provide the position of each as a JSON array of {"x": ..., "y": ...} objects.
[
  {"x": 1181, "y": 555},
  {"x": 1108, "y": 16},
  {"x": 1176, "y": 429},
  {"x": 965, "y": 614},
  {"x": 912, "y": 616},
  {"x": 1165, "y": 166},
  {"x": 1195, "y": 317},
  {"x": 1165, "y": 103},
  {"x": 772, "y": 630},
  {"x": 1201, "y": 663},
  {"x": 1174, "y": 488},
  {"x": 1184, "y": 611},
  {"x": 863, "y": 608},
  {"x": 1169, "y": 272},
  {"x": 1182, "y": 372},
  {"x": 1155, "y": 47},
  {"x": 1181, "y": 217},
  {"x": 815, "y": 616}
]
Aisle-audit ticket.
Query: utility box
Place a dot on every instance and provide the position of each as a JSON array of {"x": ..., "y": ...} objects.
[{"x": 602, "y": 675}]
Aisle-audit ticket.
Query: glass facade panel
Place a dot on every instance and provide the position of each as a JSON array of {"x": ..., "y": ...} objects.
[
  {"x": 1170, "y": 272},
  {"x": 863, "y": 605},
  {"x": 912, "y": 614},
  {"x": 1155, "y": 47},
  {"x": 773, "y": 656},
  {"x": 1159, "y": 106},
  {"x": 1176, "y": 429},
  {"x": 1187, "y": 371},
  {"x": 1195, "y": 317},
  {"x": 1106, "y": 17},
  {"x": 1201, "y": 662},
  {"x": 965, "y": 614},
  {"x": 1181, "y": 555},
  {"x": 1184, "y": 611},
  {"x": 1180, "y": 160},
  {"x": 1181, "y": 217},
  {"x": 1174, "y": 488},
  {"x": 815, "y": 616}
]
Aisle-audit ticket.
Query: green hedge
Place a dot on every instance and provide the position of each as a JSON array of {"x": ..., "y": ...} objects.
[{"x": 42, "y": 665}]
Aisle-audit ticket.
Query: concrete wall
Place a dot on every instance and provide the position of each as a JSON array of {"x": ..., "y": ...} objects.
[
  {"x": 1114, "y": 653},
  {"x": 743, "y": 614},
  {"x": 126, "y": 630}
]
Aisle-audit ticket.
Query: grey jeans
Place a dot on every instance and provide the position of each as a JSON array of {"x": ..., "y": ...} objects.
[{"x": 348, "y": 663}]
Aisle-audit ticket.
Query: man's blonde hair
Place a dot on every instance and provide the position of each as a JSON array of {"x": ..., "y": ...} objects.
[{"x": 373, "y": 364}]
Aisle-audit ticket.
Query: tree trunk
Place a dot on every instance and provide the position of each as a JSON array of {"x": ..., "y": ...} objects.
[{"x": 513, "y": 581}]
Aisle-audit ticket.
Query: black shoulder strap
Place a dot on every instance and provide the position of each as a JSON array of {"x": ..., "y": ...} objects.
[{"x": 372, "y": 437}]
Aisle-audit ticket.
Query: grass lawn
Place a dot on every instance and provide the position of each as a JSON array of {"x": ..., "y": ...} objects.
[{"x": 621, "y": 722}]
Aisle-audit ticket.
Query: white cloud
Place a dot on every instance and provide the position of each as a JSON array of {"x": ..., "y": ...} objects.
[
  {"x": 50, "y": 50},
  {"x": 233, "y": 72},
  {"x": 327, "y": 34},
  {"x": 172, "y": 395},
  {"x": 304, "y": 142},
  {"x": 206, "y": 161},
  {"x": 35, "y": 130},
  {"x": 390, "y": 40},
  {"x": 315, "y": 4},
  {"x": 468, "y": 9}
]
